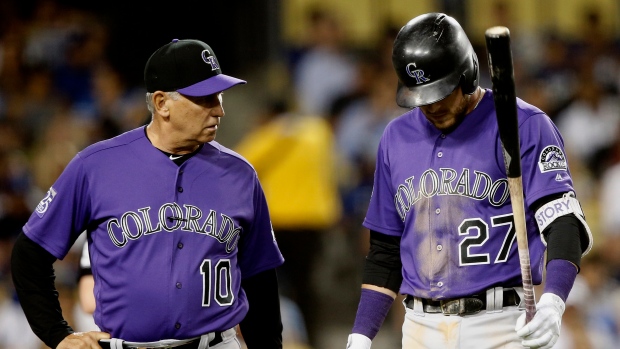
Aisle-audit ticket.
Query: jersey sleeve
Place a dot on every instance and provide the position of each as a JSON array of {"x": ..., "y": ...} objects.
[
  {"x": 62, "y": 215},
  {"x": 258, "y": 249},
  {"x": 382, "y": 215},
  {"x": 543, "y": 160}
]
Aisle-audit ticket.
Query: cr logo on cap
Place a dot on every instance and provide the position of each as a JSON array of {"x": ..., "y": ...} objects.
[{"x": 210, "y": 60}]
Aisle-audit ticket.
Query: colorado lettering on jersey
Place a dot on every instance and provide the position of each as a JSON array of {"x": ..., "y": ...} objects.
[
  {"x": 170, "y": 217},
  {"x": 449, "y": 182}
]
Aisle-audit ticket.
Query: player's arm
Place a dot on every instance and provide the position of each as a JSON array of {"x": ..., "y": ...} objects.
[
  {"x": 568, "y": 237},
  {"x": 381, "y": 282},
  {"x": 262, "y": 326}
]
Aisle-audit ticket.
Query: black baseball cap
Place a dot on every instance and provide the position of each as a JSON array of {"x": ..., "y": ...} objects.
[{"x": 188, "y": 67}]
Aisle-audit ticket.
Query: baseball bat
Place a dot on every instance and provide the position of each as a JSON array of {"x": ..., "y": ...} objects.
[{"x": 505, "y": 99}]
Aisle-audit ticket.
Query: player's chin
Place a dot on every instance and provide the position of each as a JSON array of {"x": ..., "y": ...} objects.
[{"x": 441, "y": 123}]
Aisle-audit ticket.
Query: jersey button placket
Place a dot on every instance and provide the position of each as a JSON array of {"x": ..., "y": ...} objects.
[{"x": 179, "y": 174}]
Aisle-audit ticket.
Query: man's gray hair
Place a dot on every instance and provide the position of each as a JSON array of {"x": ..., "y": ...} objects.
[{"x": 174, "y": 95}]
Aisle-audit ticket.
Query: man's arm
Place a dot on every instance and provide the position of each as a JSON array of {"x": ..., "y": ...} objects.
[
  {"x": 86, "y": 282},
  {"x": 262, "y": 326},
  {"x": 33, "y": 277}
]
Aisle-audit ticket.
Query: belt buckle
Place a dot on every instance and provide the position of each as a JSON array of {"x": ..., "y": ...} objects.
[
  {"x": 461, "y": 306},
  {"x": 452, "y": 306}
]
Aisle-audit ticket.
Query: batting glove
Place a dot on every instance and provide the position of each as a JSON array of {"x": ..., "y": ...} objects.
[
  {"x": 358, "y": 341},
  {"x": 544, "y": 328}
]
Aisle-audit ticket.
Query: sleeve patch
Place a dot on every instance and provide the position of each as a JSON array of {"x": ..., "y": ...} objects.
[
  {"x": 552, "y": 159},
  {"x": 45, "y": 203}
]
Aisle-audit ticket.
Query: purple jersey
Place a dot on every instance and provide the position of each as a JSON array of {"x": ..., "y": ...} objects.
[
  {"x": 169, "y": 244},
  {"x": 447, "y": 197}
]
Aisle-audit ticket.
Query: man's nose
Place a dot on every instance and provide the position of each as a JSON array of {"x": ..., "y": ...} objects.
[
  {"x": 431, "y": 108},
  {"x": 218, "y": 111}
]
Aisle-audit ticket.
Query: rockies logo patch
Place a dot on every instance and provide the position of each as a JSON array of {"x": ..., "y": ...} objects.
[
  {"x": 552, "y": 159},
  {"x": 44, "y": 204}
]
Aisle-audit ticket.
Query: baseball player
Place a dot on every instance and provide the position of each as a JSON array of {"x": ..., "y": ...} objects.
[
  {"x": 178, "y": 230},
  {"x": 440, "y": 216}
]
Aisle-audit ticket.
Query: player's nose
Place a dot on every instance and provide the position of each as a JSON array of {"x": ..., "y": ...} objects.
[{"x": 431, "y": 108}]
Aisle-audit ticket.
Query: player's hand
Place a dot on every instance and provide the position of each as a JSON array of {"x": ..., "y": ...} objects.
[
  {"x": 544, "y": 328},
  {"x": 358, "y": 341},
  {"x": 83, "y": 340}
]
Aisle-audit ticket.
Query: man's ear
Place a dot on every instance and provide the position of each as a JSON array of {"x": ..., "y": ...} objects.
[{"x": 159, "y": 102}]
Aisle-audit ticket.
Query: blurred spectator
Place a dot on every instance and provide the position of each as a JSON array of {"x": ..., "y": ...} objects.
[
  {"x": 358, "y": 130},
  {"x": 592, "y": 319},
  {"x": 293, "y": 155},
  {"x": 358, "y": 119},
  {"x": 590, "y": 123},
  {"x": 556, "y": 72},
  {"x": 607, "y": 194},
  {"x": 116, "y": 107},
  {"x": 526, "y": 44},
  {"x": 85, "y": 50},
  {"x": 47, "y": 35},
  {"x": 577, "y": 331},
  {"x": 11, "y": 63},
  {"x": 56, "y": 146},
  {"x": 598, "y": 51},
  {"x": 16, "y": 333},
  {"x": 32, "y": 109},
  {"x": 326, "y": 68}
]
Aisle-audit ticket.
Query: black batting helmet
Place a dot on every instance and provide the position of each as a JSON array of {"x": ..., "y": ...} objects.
[{"x": 432, "y": 56}]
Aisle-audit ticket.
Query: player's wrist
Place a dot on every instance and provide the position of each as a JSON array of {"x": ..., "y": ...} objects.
[
  {"x": 371, "y": 312},
  {"x": 358, "y": 341},
  {"x": 561, "y": 276}
]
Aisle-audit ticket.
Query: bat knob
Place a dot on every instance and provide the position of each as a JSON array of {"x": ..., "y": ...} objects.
[{"x": 497, "y": 31}]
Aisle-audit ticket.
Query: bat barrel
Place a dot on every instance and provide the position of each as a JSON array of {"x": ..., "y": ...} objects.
[{"x": 504, "y": 95}]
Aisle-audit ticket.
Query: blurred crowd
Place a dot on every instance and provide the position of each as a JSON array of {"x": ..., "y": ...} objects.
[{"x": 313, "y": 145}]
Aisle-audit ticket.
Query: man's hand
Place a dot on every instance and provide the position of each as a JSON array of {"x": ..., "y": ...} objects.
[
  {"x": 358, "y": 341},
  {"x": 544, "y": 329},
  {"x": 83, "y": 340}
]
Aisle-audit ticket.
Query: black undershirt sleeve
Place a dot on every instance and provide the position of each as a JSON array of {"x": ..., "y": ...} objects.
[
  {"x": 383, "y": 266},
  {"x": 566, "y": 236},
  {"x": 262, "y": 326},
  {"x": 33, "y": 276}
]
